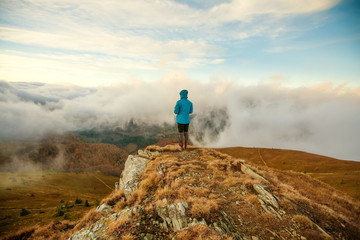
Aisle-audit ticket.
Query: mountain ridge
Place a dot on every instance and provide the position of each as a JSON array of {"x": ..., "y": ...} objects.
[
  {"x": 341, "y": 174},
  {"x": 205, "y": 194}
]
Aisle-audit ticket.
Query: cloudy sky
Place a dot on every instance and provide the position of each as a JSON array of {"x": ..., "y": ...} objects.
[
  {"x": 269, "y": 73},
  {"x": 91, "y": 43}
]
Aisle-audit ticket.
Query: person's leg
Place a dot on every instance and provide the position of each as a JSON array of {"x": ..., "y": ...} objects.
[
  {"x": 181, "y": 135},
  {"x": 186, "y": 135}
]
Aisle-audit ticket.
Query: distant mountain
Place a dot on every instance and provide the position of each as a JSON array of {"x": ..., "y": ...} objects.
[{"x": 205, "y": 194}]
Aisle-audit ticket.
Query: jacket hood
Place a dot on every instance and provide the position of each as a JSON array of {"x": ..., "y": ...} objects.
[{"x": 183, "y": 94}]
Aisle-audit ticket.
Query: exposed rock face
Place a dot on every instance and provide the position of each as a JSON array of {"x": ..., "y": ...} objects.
[
  {"x": 98, "y": 229},
  {"x": 104, "y": 208},
  {"x": 251, "y": 173},
  {"x": 266, "y": 196},
  {"x": 130, "y": 177},
  {"x": 174, "y": 216},
  {"x": 147, "y": 154}
]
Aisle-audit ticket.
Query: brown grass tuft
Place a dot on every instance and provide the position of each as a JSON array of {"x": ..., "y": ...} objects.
[
  {"x": 118, "y": 224},
  {"x": 150, "y": 181},
  {"x": 303, "y": 221},
  {"x": 201, "y": 192},
  {"x": 166, "y": 192},
  {"x": 252, "y": 198},
  {"x": 21, "y": 234},
  {"x": 120, "y": 205},
  {"x": 91, "y": 217},
  {"x": 55, "y": 230},
  {"x": 200, "y": 232},
  {"x": 127, "y": 237},
  {"x": 202, "y": 207},
  {"x": 114, "y": 197},
  {"x": 167, "y": 148}
]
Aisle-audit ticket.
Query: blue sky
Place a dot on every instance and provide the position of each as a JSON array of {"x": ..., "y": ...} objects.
[{"x": 93, "y": 43}]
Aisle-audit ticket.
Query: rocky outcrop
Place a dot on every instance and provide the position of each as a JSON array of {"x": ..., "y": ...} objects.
[
  {"x": 174, "y": 216},
  {"x": 268, "y": 201},
  {"x": 99, "y": 228},
  {"x": 196, "y": 190},
  {"x": 265, "y": 196},
  {"x": 148, "y": 154},
  {"x": 130, "y": 177}
]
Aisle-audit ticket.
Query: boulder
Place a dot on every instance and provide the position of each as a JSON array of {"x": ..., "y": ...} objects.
[{"x": 130, "y": 177}]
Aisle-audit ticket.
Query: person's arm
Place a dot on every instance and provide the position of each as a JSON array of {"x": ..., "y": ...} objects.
[
  {"x": 177, "y": 108},
  {"x": 191, "y": 108}
]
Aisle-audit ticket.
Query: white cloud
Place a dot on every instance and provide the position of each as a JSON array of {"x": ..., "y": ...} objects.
[
  {"x": 111, "y": 44},
  {"x": 240, "y": 10},
  {"x": 121, "y": 36},
  {"x": 132, "y": 26},
  {"x": 227, "y": 113}
]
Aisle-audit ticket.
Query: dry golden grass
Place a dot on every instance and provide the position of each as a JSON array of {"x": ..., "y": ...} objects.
[
  {"x": 114, "y": 197},
  {"x": 91, "y": 217},
  {"x": 203, "y": 177},
  {"x": 53, "y": 231},
  {"x": 150, "y": 181},
  {"x": 120, "y": 205},
  {"x": 340, "y": 174},
  {"x": 24, "y": 233},
  {"x": 303, "y": 221},
  {"x": 200, "y": 232},
  {"x": 213, "y": 184},
  {"x": 167, "y": 148},
  {"x": 148, "y": 184},
  {"x": 127, "y": 237},
  {"x": 166, "y": 192},
  {"x": 201, "y": 192},
  {"x": 202, "y": 207},
  {"x": 114, "y": 226},
  {"x": 252, "y": 198}
]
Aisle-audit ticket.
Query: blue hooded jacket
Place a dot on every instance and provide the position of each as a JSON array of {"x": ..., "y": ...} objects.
[{"x": 183, "y": 108}]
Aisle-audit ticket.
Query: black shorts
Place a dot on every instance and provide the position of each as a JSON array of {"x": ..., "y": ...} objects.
[{"x": 183, "y": 127}]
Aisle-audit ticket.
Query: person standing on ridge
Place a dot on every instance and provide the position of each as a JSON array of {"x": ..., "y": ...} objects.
[{"x": 182, "y": 109}]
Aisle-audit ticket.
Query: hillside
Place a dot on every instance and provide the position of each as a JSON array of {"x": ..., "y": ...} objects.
[
  {"x": 41, "y": 180},
  {"x": 204, "y": 194},
  {"x": 69, "y": 155},
  {"x": 31, "y": 198},
  {"x": 340, "y": 174}
]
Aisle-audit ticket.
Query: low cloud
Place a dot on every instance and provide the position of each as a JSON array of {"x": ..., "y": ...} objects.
[{"x": 320, "y": 119}]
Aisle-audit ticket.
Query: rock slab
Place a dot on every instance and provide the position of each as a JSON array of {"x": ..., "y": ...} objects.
[{"x": 130, "y": 177}]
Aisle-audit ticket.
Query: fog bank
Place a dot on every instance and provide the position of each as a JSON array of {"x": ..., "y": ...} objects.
[{"x": 320, "y": 119}]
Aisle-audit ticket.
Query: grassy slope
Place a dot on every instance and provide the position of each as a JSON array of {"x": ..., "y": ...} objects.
[
  {"x": 42, "y": 192},
  {"x": 342, "y": 175},
  {"x": 212, "y": 183}
]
